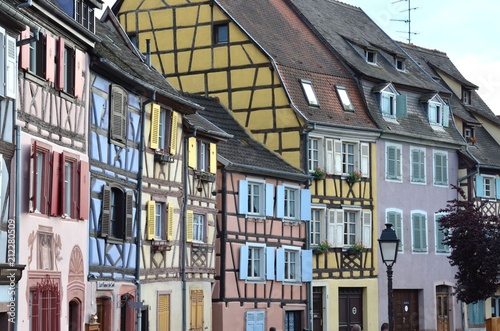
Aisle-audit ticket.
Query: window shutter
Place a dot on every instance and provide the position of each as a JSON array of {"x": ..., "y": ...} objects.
[
  {"x": 306, "y": 267},
  {"x": 280, "y": 201},
  {"x": 243, "y": 262},
  {"x": 400, "y": 105},
  {"x": 155, "y": 126},
  {"x": 174, "y": 133},
  {"x": 367, "y": 228},
  {"x": 129, "y": 214},
  {"x": 337, "y": 152},
  {"x": 280, "y": 264},
  {"x": 79, "y": 72},
  {"x": 269, "y": 200},
  {"x": 83, "y": 199},
  {"x": 192, "y": 156},
  {"x": 57, "y": 199},
  {"x": 305, "y": 204},
  {"x": 50, "y": 58},
  {"x": 269, "y": 263},
  {"x": 213, "y": 158},
  {"x": 33, "y": 177},
  {"x": 336, "y": 227},
  {"x": 189, "y": 225},
  {"x": 329, "y": 156},
  {"x": 365, "y": 159},
  {"x": 118, "y": 107},
  {"x": 151, "y": 206},
  {"x": 60, "y": 64},
  {"x": 243, "y": 197},
  {"x": 170, "y": 222},
  {"x": 11, "y": 76},
  {"x": 255, "y": 321},
  {"x": 1, "y": 184},
  {"x": 164, "y": 312},
  {"x": 106, "y": 208},
  {"x": 446, "y": 115},
  {"x": 479, "y": 186},
  {"x": 24, "y": 52},
  {"x": 417, "y": 244},
  {"x": 3, "y": 61}
]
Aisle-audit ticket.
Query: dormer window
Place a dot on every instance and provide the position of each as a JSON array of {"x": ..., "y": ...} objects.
[
  {"x": 392, "y": 104},
  {"x": 371, "y": 56},
  {"x": 400, "y": 63},
  {"x": 84, "y": 15},
  {"x": 344, "y": 98},
  {"x": 437, "y": 110},
  {"x": 309, "y": 93},
  {"x": 466, "y": 97},
  {"x": 435, "y": 115}
]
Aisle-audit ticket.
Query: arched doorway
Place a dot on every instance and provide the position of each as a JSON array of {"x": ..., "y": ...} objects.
[{"x": 74, "y": 315}]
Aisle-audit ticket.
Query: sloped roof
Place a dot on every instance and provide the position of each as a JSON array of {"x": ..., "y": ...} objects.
[
  {"x": 241, "y": 149},
  {"x": 486, "y": 150},
  {"x": 299, "y": 54},
  {"x": 349, "y": 31}
]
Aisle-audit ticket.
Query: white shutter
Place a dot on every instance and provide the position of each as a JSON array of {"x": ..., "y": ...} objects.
[
  {"x": 11, "y": 68},
  {"x": 337, "y": 151},
  {"x": 2, "y": 62},
  {"x": 365, "y": 159},
  {"x": 367, "y": 228},
  {"x": 336, "y": 227},
  {"x": 329, "y": 156}
]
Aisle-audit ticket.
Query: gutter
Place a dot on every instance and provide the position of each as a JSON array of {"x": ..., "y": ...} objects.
[{"x": 16, "y": 15}]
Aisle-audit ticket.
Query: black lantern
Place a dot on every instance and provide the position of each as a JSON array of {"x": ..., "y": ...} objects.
[{"x": 389, "y": 244}]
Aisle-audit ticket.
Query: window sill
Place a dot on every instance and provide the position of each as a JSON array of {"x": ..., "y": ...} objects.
[
  {"x": 34, "y": 78},
  {"x": 67, "y": 96},
  {"x": 163, "y": 158},
  {"x": 204, "y": 176},
  {"x": 160, "y": 246}
]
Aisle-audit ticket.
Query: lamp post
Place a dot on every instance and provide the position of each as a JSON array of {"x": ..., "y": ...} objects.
[{"x": 389, "y": 243}]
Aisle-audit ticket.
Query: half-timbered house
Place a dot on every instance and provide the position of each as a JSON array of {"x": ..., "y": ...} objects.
[
  {"x": 52, "y": 113},
  {"x": 264, "y": 265},
  {"x": 299, "y": 101}
]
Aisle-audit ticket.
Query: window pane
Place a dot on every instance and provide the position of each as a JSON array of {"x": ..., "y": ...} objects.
[
  {"x": 40, "y": 159},
  {"x": 68, "y": 189}
]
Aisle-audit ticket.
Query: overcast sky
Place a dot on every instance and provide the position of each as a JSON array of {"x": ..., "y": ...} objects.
[{"x": 467, "y": 31}]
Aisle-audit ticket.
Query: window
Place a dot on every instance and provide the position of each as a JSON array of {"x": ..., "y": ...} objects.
[
  {"x": 159, "y": 220},
  {"x": 466, "y": 96},
  {"x": 256, "y": 198},
  {"x": 40, "y": 178},
  {"x": 70, "y": 187},
  {"x": 441, "y": 168},
  {"x": 317, "y": 225},
  {"x": 489, "y": 187},
  {"x": 309, "y": 93},
  {"x": 314, "y": 154},
  {"x": 349, "y": 157},
  {"x": 291, "y": 202},
  {"x": 255, "y": 320},
  {"x": 202, "y": 155},
  {"x": 292, "y": 265},
  {"x": 434, "y": 113},
  {"x": 117, "y": 208},
  {"x": 84, "y": 15},
  {"x": 394, "y": 217},
  {"x": 495, "y": 306},
  {"x": 468, "y": 133},
  {"x": 441, "y": 235},
  {"x": 199, "y": 227},
  {"x": 45, "y": 306},
  {"x": 417, "y": 165},
  {"x": 388, "y": 104},
  {"x": 419, "y": 231},
  {"x": 400, "y": 63},
  {"x": 256, "y": 262},
  {"x": 344, "y": 98},
  {"x": 37, "y": 56},
  {"x": 349, "y": 226},
  {"x": 164, "y": 312},
  {"x": 343, "y": 157},
  {"x": 475, "y": 313},
  {"x": 196, "y": 300},
  {"x": 221, "y": 33},
  {"x": 118, "y": 114},
  {"x": 371, "y": 56},
  {"x": 438, "y": 111},
  {"x": 163, "y": 132},
  {"x": 393, "y": 164},
  {"x": 392, "y": 104}
]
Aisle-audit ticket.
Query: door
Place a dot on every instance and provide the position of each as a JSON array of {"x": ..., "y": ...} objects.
[
  {"x": 293, "y": 320},
  {"x": 405, "y": 310},
  {"x": 443, "y": 318},
  {"x": 317, "y": 308},
  {"x": 350, "y": 308}
]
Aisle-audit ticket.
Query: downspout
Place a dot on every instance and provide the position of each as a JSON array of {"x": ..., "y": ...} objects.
[
  {"x": 184, "y": 230},
  {"x": 16, "y": 15},
  {"x": 223, "y": 237},
  {"x": 17, "y": 207}
]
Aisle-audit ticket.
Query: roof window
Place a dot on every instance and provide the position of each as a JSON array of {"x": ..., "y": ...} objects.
[
  {"x": 309, "y": 92},
  {"x": 344, "y": 98}
]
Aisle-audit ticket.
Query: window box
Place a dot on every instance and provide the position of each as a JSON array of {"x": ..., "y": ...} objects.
[
  {"x": 160, "y": 246},
  {"x": 204, "y": 176},
  {"x": 163, "y": 158}
]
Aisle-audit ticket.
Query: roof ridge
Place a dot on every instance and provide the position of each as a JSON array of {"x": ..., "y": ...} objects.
[
  {"x": 429, "y": 50},
  {"x": 345, "y": 4}
]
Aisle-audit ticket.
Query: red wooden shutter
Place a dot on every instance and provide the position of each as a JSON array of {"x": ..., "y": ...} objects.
[
  {"x": 24, "y": 54},
  {"x": 58, "y": 172},
  {"x": 50, "y": 58},
  {"x": 60, "y": 64},
  {"x": 84, "y": 191}
]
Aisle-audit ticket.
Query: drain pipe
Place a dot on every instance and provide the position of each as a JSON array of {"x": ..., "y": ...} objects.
[
  {"x": 16, "y": 15},
  {"x": 184, "y": 229},
  {"x": 17, "y": 218}
]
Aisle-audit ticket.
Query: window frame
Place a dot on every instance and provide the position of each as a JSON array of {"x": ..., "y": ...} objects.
[
  {"x": 41, "y": 179},
  {"x": 85, "y": 15},
  {"x": 221, "y": 30},
  {"x": 37, "y": 55},
  {"x": 466, "y": 96},
  {"x": 46, "y": 292},
  {"x": 117, "y": 226},
  {"x": 443, "y": 169},
  {"x": 296, "y": 253},
  {"x": 398, "y": 163},
  {"x": 400, "y": 64},
  {"x": 419, "y": 234},
  {"x": 397, "y": 223},
  {"x": 199, "y": 227},
  {"x": 435, "y": 113},
  {"x": 291, "y": 207},
  {"x": 71, "y": 195},
  {"x": 260, "y": 275},
  {"x": 418, "y": 165},
  {"x": 315, "y": 153},
  {"x": 160, "y": 220},
  {"x": 371, "y": 56},
  {"x": 344, "y": 98},
  {"x": 318, "y": 224},
  {"x": 391, "y": 112},
  {"x": 489, "y": 187},
  {"x": 440, "y": 235},
  {"x": 260, "y": 185},
  {"x": 308, "y": 89}
]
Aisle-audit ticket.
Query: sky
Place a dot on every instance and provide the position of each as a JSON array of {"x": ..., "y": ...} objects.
[{"x": 468, "y": 32}]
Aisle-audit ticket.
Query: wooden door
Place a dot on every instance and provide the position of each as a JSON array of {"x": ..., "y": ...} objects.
[
  {"x": 317, "y": 309},
  {"x": 406, "y": 310},
  {"x": 350, "y": 308},
  {"x": 442, "y": 305}
]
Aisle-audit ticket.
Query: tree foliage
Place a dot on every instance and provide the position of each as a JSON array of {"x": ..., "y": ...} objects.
[{"x": 474, "y": 240}]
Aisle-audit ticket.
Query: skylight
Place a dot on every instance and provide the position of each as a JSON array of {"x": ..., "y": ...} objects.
[
  {"x": 309, "y": 92},
  {"x": 344, "y": 98}
]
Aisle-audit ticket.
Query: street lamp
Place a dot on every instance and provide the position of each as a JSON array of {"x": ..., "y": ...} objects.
[{"x": 389, "y": 243}]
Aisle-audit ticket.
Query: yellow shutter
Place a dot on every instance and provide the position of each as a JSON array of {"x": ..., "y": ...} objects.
[
  {"x": 196, "y": 310},
  {"x": 155, "y": 126},
  {"x": 189, "y": 225},
  {"x": 193, "y": 310},
  {"x": 151, "y": 220},
  {"x": 192, "y": 152},
  {"x": 170, "y": 222},
  {"x": 213, "y": 158},
  {"x": 164, "y": 312},
  {"x": 173, "y": 133}
]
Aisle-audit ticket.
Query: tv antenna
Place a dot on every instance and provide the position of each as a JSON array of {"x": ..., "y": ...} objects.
[{"x": 408, "y": 21}]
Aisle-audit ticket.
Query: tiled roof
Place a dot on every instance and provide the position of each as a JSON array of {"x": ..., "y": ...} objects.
[
  {"x": 241, "y": 149},
  {"x": 486, "y": 150},
  {"x": 350, "y": 31},
  {"x": 205, "y": 126},
  {"x": 299, "y": 54}
]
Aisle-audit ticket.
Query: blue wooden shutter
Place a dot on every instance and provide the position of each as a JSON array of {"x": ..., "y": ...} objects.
[
  {"x": 305, "y": 205},
  {"x": 243, "y": 262},
  {"x": 269, "y": 200},
  {"x": 270, "y": 263},
  {"x": 280, "y": 201},
  {"x": 255, "y": 321},
  {"x": 306, "y": 265},
  {"x": 400, "y": 105},
  {"x": 497, "y": 188},
  {"x": 280, "y": 264},
  {"x": 446, "y": 115},
  {"x": 479, "y": 186},
  {"x": 243, "y": 197}
]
